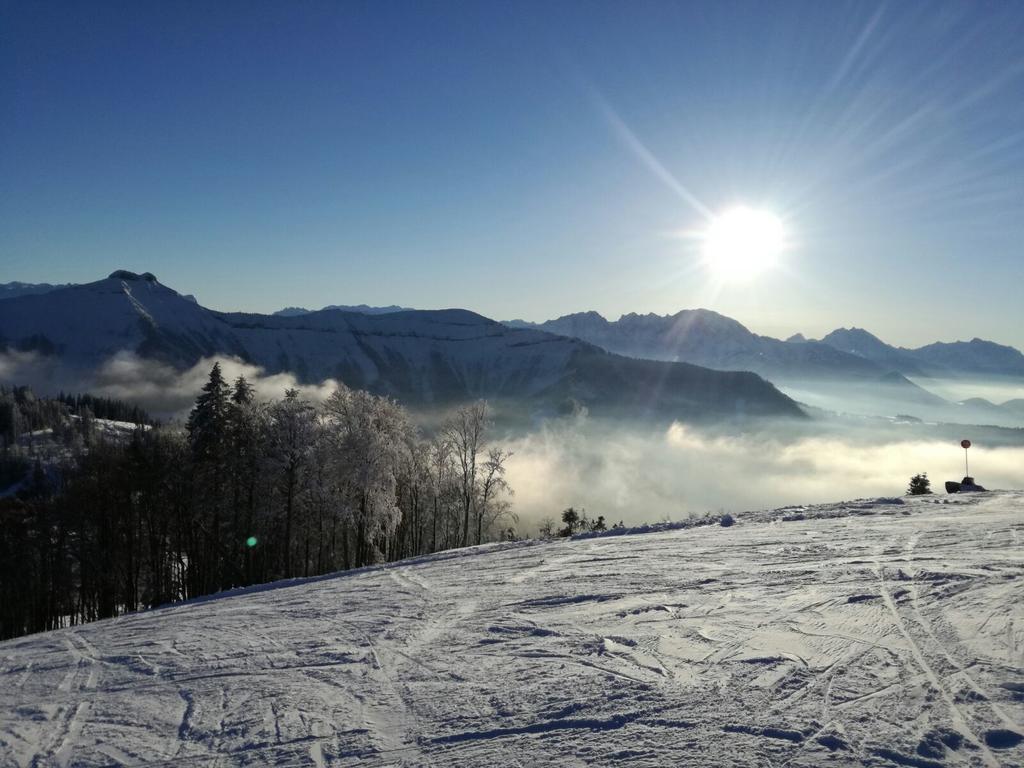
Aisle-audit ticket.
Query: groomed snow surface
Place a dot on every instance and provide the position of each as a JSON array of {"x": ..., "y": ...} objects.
[{"x": 867, "y": 634}]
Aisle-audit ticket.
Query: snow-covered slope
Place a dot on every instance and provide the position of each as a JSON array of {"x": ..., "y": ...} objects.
[
  {"x": 416, "y": 356},
  {"x": 855, "y": 634},
  {"x": 86, "y": 324},
  {"x": 423, "y": 355}
]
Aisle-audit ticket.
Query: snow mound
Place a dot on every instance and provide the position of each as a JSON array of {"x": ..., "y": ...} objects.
[{"x": 837, "y": 637}]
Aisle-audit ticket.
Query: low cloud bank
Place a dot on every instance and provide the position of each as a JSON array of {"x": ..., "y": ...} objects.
[
  {"x": 164, "y": 391},
  {"x": 625, "y": 474},
  {"x": 631, "y": 473},
  {"x": 28, "y": 368}
]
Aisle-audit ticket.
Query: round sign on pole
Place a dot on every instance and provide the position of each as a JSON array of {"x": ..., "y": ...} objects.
[{"x": 965, "y": 444}]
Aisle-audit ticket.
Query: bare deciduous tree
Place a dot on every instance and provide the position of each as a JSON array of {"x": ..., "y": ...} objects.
[{"x": 464, "y": 431}]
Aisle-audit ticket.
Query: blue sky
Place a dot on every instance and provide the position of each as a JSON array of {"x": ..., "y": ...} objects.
[{"x": 525, "y": 159}]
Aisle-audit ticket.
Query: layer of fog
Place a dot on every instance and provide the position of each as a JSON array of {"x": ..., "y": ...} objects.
[
  {"x": 669, "y": 473},
  {"x": 936, "y": 400},
  {"x": 631, "y": 473},
  {"x": 994, "y": 390},
  {"x": 162, "y": 390}
]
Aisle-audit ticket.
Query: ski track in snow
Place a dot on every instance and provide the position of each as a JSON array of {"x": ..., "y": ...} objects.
[{"x": 863, "y": 634}]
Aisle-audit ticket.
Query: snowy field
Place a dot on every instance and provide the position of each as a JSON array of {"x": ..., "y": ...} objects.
[{"x": 865, "y": 634}]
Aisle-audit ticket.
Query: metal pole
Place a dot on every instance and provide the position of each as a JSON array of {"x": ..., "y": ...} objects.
[{"x": 967, "y": 470}]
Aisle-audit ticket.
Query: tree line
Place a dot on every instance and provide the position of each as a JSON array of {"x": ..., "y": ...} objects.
[
  {"x": 104, "y": 408},
  {"x": 248, "y": 492}
]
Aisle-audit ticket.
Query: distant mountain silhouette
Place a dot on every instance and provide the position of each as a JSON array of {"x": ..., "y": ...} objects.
[
  {"x": 363, "y": 309},
  {"x": 849, "y": 370},
  {"x": 10, "y": 290},
  {"x": 704, "y": 337},
  {"x": 975, "y": 357}
]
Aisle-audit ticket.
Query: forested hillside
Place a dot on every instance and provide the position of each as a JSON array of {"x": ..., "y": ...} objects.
[{"x": 249, "y": 492}]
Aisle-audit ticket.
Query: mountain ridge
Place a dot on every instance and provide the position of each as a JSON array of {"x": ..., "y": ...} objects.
[
  {"x": 364, "y": 309},
  {"x": 421, "y": 357},
  {"x": 977, "y": 356},
  {"x": 17, "y": 288},
  {"x": 708, "y": 338},
  {"x": 686, "y": 334}
]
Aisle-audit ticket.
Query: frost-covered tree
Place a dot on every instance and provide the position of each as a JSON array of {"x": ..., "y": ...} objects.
[
  {"x": 443, "y": 493},
  {"x": 290, "y": 442},
  {"x": 465, "y": 431},
  {"x": 492, "y": 508},
  {"x": 414, "y": 493},
  {"x": 371, "y": 436},
  {"x": 249, "y": 491}
]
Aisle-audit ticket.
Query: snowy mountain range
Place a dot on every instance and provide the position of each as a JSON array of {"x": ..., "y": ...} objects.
[
  {"x": 10, "y": 290},
  {"x": 849, "y": 370},
  {"x": 422, "y": 356},
  {"x": 363, "y": 309},
  {"x": 704, "y": 337},
  {"x": 419, "y": 357},
  {"x": 976, "y": 357}
]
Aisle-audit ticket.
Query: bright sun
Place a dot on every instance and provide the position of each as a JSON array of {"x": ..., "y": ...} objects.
[{"x": 742, "y": 243}]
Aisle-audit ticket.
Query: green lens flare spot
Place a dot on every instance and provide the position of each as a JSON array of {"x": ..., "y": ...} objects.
[{"x": 252, "y": 541}]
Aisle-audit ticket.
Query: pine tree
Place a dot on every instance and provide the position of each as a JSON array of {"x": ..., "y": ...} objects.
[
  {"x": 252, "y": 491},
  {"x": 243, "y": 393},
  {"x": 208, "y": 432},
  {"x": 920, "y": 485},
  {"x": 290, "y": 443},
  {"x": 246, "y": 446},
  {"x": 207, "y": 423},
  {"x": 571, "y": 518}
]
